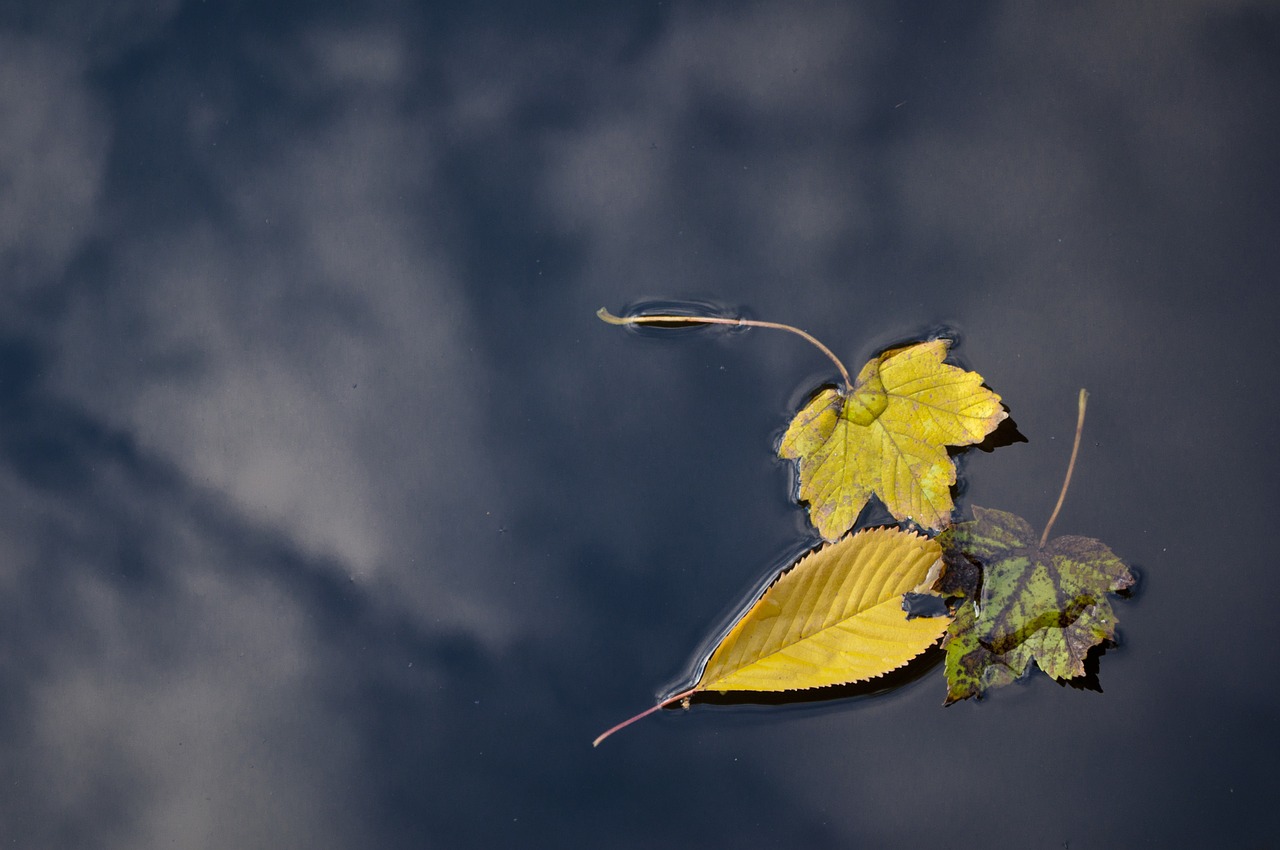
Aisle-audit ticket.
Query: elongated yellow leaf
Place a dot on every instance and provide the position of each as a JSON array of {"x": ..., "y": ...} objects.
[
  {"x": 888, "y": 436},
  {"x": 836, "y": 617}
]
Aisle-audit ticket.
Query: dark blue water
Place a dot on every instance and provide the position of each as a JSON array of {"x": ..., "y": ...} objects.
[{"x": 331, "y": 516}]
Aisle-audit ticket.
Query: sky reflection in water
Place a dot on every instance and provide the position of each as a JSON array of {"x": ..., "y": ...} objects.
[{"x": 334, "y": 517}]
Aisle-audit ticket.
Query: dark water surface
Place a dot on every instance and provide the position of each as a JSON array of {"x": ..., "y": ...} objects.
[{"x": 331, "y": 516}]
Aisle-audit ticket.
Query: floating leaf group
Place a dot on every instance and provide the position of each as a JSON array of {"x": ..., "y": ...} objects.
[{"x": 839, "y": 614}]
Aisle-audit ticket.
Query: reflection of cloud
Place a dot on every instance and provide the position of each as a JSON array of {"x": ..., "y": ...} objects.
[
  {"x": 162, "y": 673},
  {"x": 362, "y": 59},
  {"x": 292, "y": 343},
  {"x": 98, "y": 31},
  {"x": 200, "y": 719},
  {"x": 1068, "y": 127},
  {"x": 52, "y": 153},
  {"x": 303, "y": 356},
  {"x": 689, "y": 133}
]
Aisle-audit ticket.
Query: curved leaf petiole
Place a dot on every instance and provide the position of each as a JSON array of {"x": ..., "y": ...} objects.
[
  {"x": 606, "y": 316},
  {"x": 1071, "y": 465},
  {"x": 683, "y": 695}
]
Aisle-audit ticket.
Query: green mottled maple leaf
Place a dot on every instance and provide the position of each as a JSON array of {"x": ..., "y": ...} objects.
[
  {"x": 1047, "y": 604},
  {"x": 887, "y": 435}
]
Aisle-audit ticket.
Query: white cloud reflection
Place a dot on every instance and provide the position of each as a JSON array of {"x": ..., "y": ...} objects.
[
  {"x": 297, "y": 349},
  {"x": 303, "y": 354},
  {"x": 52, "y": 153},
  {"x": 201, "y": 719},
  {"x": 728, "y": 118}
]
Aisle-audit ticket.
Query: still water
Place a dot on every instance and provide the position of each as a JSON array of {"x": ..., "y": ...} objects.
[{"x": 334, "y": 517}]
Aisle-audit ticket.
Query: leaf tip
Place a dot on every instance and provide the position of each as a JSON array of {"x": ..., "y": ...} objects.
[{"x": 606, "y": 316}]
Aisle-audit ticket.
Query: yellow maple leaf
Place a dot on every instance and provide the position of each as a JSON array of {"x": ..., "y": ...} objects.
[
  {"x": 836, "y": 617},
  {"x": 887, "y": 436}
]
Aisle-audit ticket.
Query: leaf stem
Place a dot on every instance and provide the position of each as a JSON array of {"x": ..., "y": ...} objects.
[
  {"x": 605, "y": 315},
  {"x": 624, "y": 724},
  {"x": 1071, "y": 465}
]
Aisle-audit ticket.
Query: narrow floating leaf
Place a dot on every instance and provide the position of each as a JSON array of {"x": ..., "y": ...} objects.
[{"x": 835, "y": 617}]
